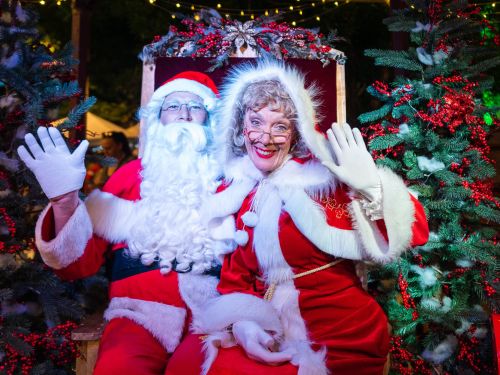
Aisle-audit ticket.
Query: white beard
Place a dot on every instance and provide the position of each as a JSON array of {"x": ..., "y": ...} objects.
[{"x": 178, "y": 174}]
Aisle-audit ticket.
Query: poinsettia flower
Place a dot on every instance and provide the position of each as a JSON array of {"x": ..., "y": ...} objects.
[{"x": 239, "y": 34}]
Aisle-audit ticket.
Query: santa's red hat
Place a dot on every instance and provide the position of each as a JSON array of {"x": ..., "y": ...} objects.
[{"x": 190, "y": 81}]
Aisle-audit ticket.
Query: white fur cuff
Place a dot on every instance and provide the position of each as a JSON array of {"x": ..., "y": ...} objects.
[
  {"x": 227, "y": 309},
  {"x": 112, "y": 217},
  {"x": 70, "y": 242},
  {"x": 399, "y": 215},
  {"x": 164, "y": 322}
]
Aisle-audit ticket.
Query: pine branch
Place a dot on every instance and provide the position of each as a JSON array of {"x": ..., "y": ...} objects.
[{"x": 394, "y": 59}]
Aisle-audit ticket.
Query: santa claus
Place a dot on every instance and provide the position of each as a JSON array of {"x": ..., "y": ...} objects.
[{"x": 146, "y": 221}]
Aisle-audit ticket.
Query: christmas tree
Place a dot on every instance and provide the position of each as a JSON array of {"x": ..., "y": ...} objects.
[
  {"x": 432, "y": 129},
  {"x": 38, "y": 311}
]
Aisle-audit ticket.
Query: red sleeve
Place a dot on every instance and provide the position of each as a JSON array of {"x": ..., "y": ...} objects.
[{"x": 420, "y": 227}]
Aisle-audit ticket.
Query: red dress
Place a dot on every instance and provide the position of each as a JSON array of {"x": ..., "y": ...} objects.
[{"x": 339, "y": 315}]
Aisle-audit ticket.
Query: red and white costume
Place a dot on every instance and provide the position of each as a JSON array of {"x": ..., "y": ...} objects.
[
  {"x": 298, "y": 218},
  {"x": 149, "y": 308}
]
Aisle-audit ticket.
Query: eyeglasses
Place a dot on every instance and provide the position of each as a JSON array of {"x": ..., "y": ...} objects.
[
  {"x": 175, "y": 107},
  {"x": 276, "y": 136}
]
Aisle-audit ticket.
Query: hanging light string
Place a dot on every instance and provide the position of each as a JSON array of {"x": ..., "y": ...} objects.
[{"x": 300, "y": 10}]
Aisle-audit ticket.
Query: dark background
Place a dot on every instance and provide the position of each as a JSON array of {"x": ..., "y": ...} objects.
[{"x": 120, "y": 28}]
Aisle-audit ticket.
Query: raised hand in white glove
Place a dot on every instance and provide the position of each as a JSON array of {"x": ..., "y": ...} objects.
[
  {"x": 355, "y": 166},
  {"x": 57, "y": 170},
  {"x": 258, "y": 343}
]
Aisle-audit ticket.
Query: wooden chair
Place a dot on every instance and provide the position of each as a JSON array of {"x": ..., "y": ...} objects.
[{"x": 87, "y": 336}]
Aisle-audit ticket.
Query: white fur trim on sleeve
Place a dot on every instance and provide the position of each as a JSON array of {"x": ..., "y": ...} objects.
[
  {"x": 211, "y": 345},
  {"x": 295, "y": 337},
  {"x": 310, "y": 219},
  {"x": 112, "y": 217},
  {"x": 164, "y": 322},
  {"x": 221, "y": 312},
  {"x": 70, "y": 242},
  {"x": 399, "y": 215},
  {"x": 197, "y": 291}
]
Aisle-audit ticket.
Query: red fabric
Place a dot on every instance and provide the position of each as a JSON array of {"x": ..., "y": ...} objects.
[
  {"x": 196, "y": 76},
  {"x": 338, "y": 313},
  {"x": 150, "y": 286},
  {"x": 128, "y": 349},
  {"x": 420, "y": 226},
  {"x": 188, "y": 359}
]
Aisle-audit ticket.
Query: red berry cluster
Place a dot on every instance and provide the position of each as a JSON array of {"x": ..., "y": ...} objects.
[
  {"x": 488, "y": 289},
  {"x": 468, "y": 353},
  {"x": 441, "y": 45},
  {"x": 435, "y": 11},
  {"x": 210, "y": 45},
  {"x": 408, "y": 301},
  {"x": 457, "y": 272},
  {"x": 381, "y": 88},
  {"x": 402, "y": 100},
  {"x": 419, "y": 260},
  {"x": 55, "y": 344},
  {"x": 460, "y": 168},
  {"x": 11, "y": 224},
  {"x": 404, "y": 362},
  {"x": 451, "y": 111},
  {"x": 482, "y": 191}
]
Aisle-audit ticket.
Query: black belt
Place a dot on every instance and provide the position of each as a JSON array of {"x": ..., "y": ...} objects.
[{"x": 123, "y": 266}]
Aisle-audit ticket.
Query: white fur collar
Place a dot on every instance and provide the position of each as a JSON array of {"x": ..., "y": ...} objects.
[{"x": 310, "y": 176}]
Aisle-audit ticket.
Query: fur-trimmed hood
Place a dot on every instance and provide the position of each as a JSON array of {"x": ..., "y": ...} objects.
[{"x": 304, "y": 98}]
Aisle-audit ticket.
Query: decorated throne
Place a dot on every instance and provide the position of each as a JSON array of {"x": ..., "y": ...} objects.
[{"x": 212, "y": 44}]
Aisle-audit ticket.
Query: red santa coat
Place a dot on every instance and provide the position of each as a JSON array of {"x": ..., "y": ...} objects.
[
  {"x": 298, "y": 224},
  {"x": 97, "y": 230}
]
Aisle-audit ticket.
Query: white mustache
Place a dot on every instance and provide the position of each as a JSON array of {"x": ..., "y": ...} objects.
[{"x": 176, "y": 137}]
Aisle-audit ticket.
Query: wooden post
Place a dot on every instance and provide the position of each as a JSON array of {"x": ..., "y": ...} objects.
[
  {"x": 87, "y": 335},
  {"x": 80, "y": 38}
]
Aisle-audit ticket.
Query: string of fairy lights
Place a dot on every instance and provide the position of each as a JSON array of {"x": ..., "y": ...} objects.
[
  {"x": 296, "y": 12},
  {"x": 300, "y": 11}
]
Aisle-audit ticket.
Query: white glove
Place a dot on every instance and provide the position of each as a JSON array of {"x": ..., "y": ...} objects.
[
  {"x": 258, "y": 343},
  {"x": 57, "y": 170},
  {"x": 356, "y": 167}
]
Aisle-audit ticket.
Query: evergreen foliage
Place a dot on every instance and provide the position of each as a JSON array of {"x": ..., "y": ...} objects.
[
  {"x": 37, "y": 310},
  {"x": 432, "y": 129}
]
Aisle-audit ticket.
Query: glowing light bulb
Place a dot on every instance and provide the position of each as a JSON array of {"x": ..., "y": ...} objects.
[
  {"x": 276, "y": 11},
  {"x": 317, "y": 18},
  {"x": 173, "y": 16},
  {"x": 242, "y": 13},
  {"x": 178, "y": 5},
  {"x": 197, "y": 18},
  {"x": 219, "y": 6},
  {"x": 336, "y": 3},
  {"x": 294, "y": 23},
  {"x": 252, "y": 16},
  {"x": 42, "y": 2},
  {"x": 192, "y": 7},
  {"x": 266, "y": 13},
  {"x": 313, "y": 4},
  {"x": 291, "y": 7},
  {"x": 300, "y": 12}
]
